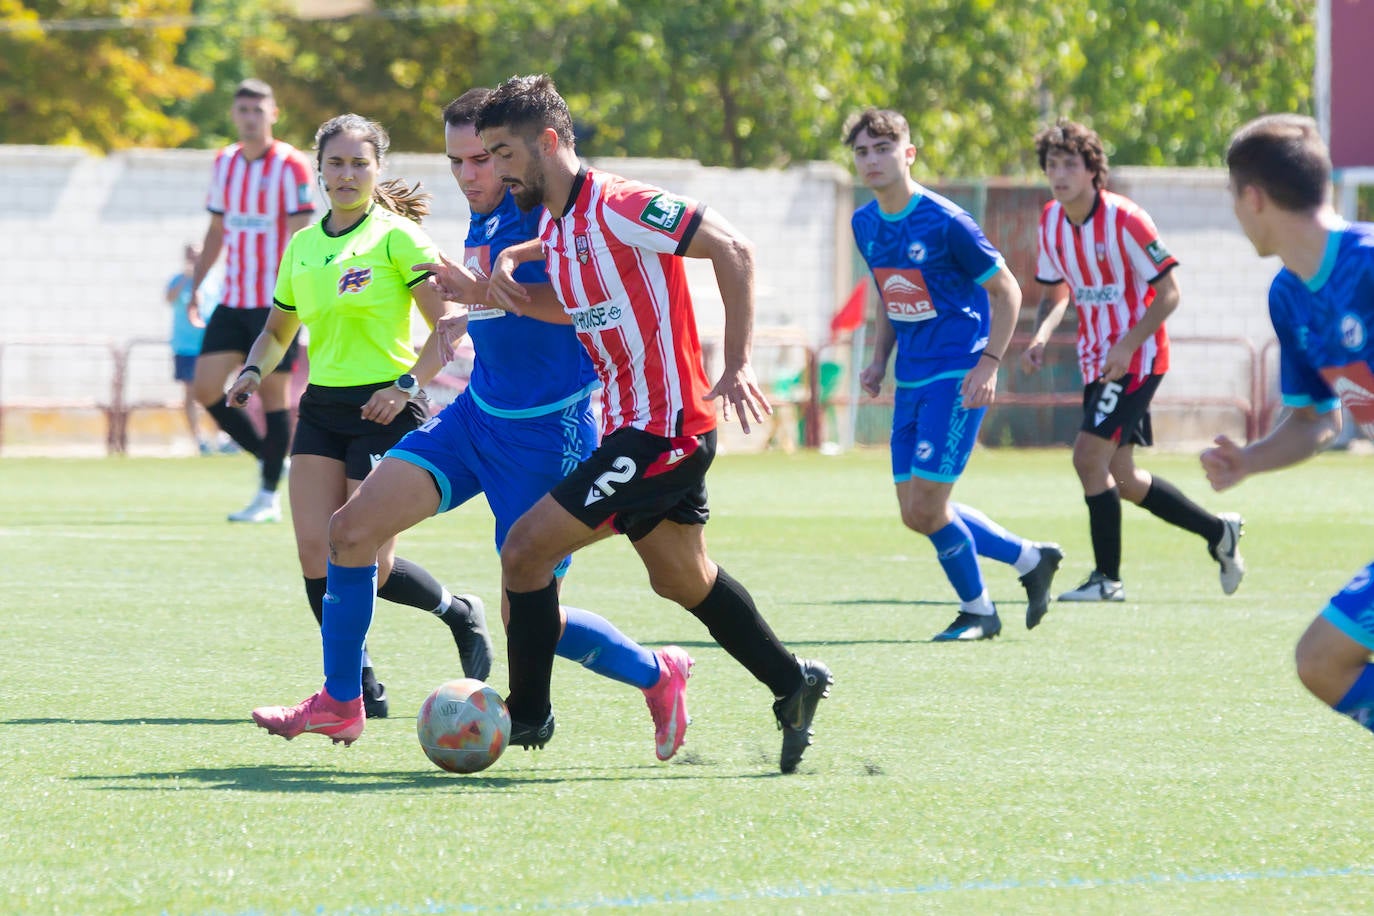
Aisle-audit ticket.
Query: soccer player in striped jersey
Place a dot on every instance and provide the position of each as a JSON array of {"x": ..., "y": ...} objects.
[
  {"x": 1322, "y": 306},
  {"x": 260, "y": 196},
  {"x": 949, "y": 308},
  {"x": 1102, "y": 251},
  {"x": 524, "y": 421},
  {"x": 348, "y": 278},
  {"x": 614, "y": 250}
]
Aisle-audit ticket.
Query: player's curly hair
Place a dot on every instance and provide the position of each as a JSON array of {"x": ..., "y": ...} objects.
[
  {"x": 394, "y": 194},
  {"x": 879, "y": 122},
  {"x": 1284, "y": 156},
  {"x": 527, "y": 105},
  {"x": 1071, "y": 137}
]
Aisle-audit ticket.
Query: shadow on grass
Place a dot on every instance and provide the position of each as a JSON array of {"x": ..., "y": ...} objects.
[
  {"x": 130, "y": 720},
  {"x": 295, "y": 779}
]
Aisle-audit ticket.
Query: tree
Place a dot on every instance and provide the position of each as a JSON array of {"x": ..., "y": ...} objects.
[{"x": 104, "y": 87}]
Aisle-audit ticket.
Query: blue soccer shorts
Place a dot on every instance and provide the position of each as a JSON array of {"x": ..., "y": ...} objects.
[
  {"x": 932, "y": 433},
  {"x": 513, "y": 461},
  {"x": 1352, "y": 610}
]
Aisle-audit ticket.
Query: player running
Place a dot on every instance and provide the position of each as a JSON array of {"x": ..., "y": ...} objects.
[
  {"x": 950, "y": 306},
  {"x": 1103, "y": 251}
]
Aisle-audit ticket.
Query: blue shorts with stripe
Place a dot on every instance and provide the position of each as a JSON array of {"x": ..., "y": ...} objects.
[
  {"x": 932, "y": 433},
  {"x": 514, "y": 461},
  {"x": 1352, "y": 611}
]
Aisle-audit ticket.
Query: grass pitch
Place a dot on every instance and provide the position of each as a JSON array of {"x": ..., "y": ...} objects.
[{"x": 1157, "y": 756}]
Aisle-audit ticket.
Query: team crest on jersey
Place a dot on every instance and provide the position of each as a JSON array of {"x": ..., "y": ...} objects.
[
  {"x": 904, "y": 294},
  {"x": 916, "y": 252},
  {"x": 355, "y": 280},
  {"x": 493, "y": 224},
  {"x": 1157, "y": 252},
  {"x": 1101, "y": 249},
  {"x": 583, "y": 247},
  {"x": 1353, "y": 333},
  {"x": 663, "y": 212}
]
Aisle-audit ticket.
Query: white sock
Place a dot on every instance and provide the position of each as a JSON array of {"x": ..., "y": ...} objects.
[
  {"x": 1030, "y": 556},
  {"x": 982, "y": 605}
]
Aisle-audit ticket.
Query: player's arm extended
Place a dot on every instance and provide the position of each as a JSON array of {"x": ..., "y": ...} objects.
[
  {"x": 264, "y": 355},
  {"x": 460, "y": 284},
  {"x": 1299, "y": 435},
  {"x": 503, "y": 291},
  {"x": 732, "y": 258},
  {"x": 1167, "y": 294}
]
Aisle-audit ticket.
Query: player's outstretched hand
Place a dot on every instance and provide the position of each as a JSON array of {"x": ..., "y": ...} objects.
[
  {"x": 449, "y": 331},
  {"x": 1224, "y": 463},
  {"x": 1033, "y": 358},
  {"x": 455, "y": 282},
  {"x": 739, "y": 390}
]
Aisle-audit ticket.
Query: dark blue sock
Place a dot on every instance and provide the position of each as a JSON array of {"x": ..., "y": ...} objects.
[
  {"x": 990, "y": 539},
  {"x": 1358, "y": 702},
  {"x": 352, "y": 590},
  {"x": 594, "y": 643},
  {"x": 954, "y": 546}
]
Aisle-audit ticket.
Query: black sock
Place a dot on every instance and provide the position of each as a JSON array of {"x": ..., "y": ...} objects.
[
  {"x": 730, "y": 615},
  {"x": 530, "y": 641},
  {"x": 1104, "y": 526},
  {"x": 274, "y": 445},
  {"x": 412, "y": 585},
  {"x": 236, "y": 423},
  {"x": 1165, "y": 501},
  {"x": 314, "y": 593}
]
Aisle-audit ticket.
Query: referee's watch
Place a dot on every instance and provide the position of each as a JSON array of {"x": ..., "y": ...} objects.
[{"x": 408, "y": 385}]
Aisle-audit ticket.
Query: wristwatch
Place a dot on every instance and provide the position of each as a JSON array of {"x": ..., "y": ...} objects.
[{"x": 408, "y": 385}]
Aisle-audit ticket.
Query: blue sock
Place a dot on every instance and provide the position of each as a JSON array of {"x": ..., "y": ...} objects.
[
  {"x": 954, "y": 546},
  {"x": 990, "y": 539},
  {"x": 1358, "y": 702},
  {"x": 351, "y": 592},
  {"x": 594, "y": 643}
]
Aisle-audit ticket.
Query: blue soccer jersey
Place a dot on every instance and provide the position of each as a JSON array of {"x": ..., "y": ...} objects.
[
  {"x": 929, "y": 262},
  {"x": 524, "y": 367},
  {"x": 1324, "y": 328}
]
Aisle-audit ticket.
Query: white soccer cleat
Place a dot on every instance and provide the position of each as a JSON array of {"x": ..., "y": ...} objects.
[
  {"x": 1097, "y": 588},
  {"x": 265, "y": 507},
  {"x": 1227, "y": 552}
]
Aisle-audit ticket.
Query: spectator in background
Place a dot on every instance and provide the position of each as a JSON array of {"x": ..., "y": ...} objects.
[
  {"x": 260, "y": 195},
  {"x": 186, "y": 339}
]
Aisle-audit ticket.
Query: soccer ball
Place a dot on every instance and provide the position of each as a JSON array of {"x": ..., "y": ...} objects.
[{"x": 463, "y": 726}]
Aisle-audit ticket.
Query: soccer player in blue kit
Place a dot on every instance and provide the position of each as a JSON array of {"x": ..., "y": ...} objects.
[
  {"x": 1322, "y": 307},
  {"x": 950, "y": 308},
  {"x": 523, "y": 422}
]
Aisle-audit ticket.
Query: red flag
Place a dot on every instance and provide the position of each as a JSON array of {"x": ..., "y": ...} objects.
[{"x": 851, "y": 314}]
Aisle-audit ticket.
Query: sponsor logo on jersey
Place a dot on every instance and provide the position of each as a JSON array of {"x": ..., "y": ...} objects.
[
  {"x": 583, "y": 246},
  {"x": 596, "y": 318},
  {"x": 1097, "y": 295},
  {"x": 247, "y": 222},
  {"x": 1157, "y": 252},
  {"x": 905, "y": 295},
  {"x": 493, "y": 224},
  {"x": 354, "y": 280},
  {"x": 1352, "y": 332},
  {"x": 916, "y": 251},
  {"x": 663, "y": 212}
]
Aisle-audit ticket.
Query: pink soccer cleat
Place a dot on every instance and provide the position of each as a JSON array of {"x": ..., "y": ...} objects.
[
  {"x": 667, "y": 700},
  {"x": 321, "y": 713}
]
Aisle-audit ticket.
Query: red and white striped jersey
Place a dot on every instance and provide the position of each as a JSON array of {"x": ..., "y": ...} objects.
[
  {"x": 1108, "y": 263},
  {"x": 615, "y": 262},
  {"x": 255, "y": 197}
]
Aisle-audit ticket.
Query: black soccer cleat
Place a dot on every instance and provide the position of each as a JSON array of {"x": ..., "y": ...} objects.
[
  {"x": 375, "y": 704},
  {"x": 1037, "y": 583},
  {"x": 795, "y": 713},
  {"x": 531, "y": 736},
  {"x": 467, "y": 620},
  {"x": 968, "y": 627}
]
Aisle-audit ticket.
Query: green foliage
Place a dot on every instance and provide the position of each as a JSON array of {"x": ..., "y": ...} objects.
[
  {"x": 102, "y": 88},
  {"x": 743, "y": 83}
]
